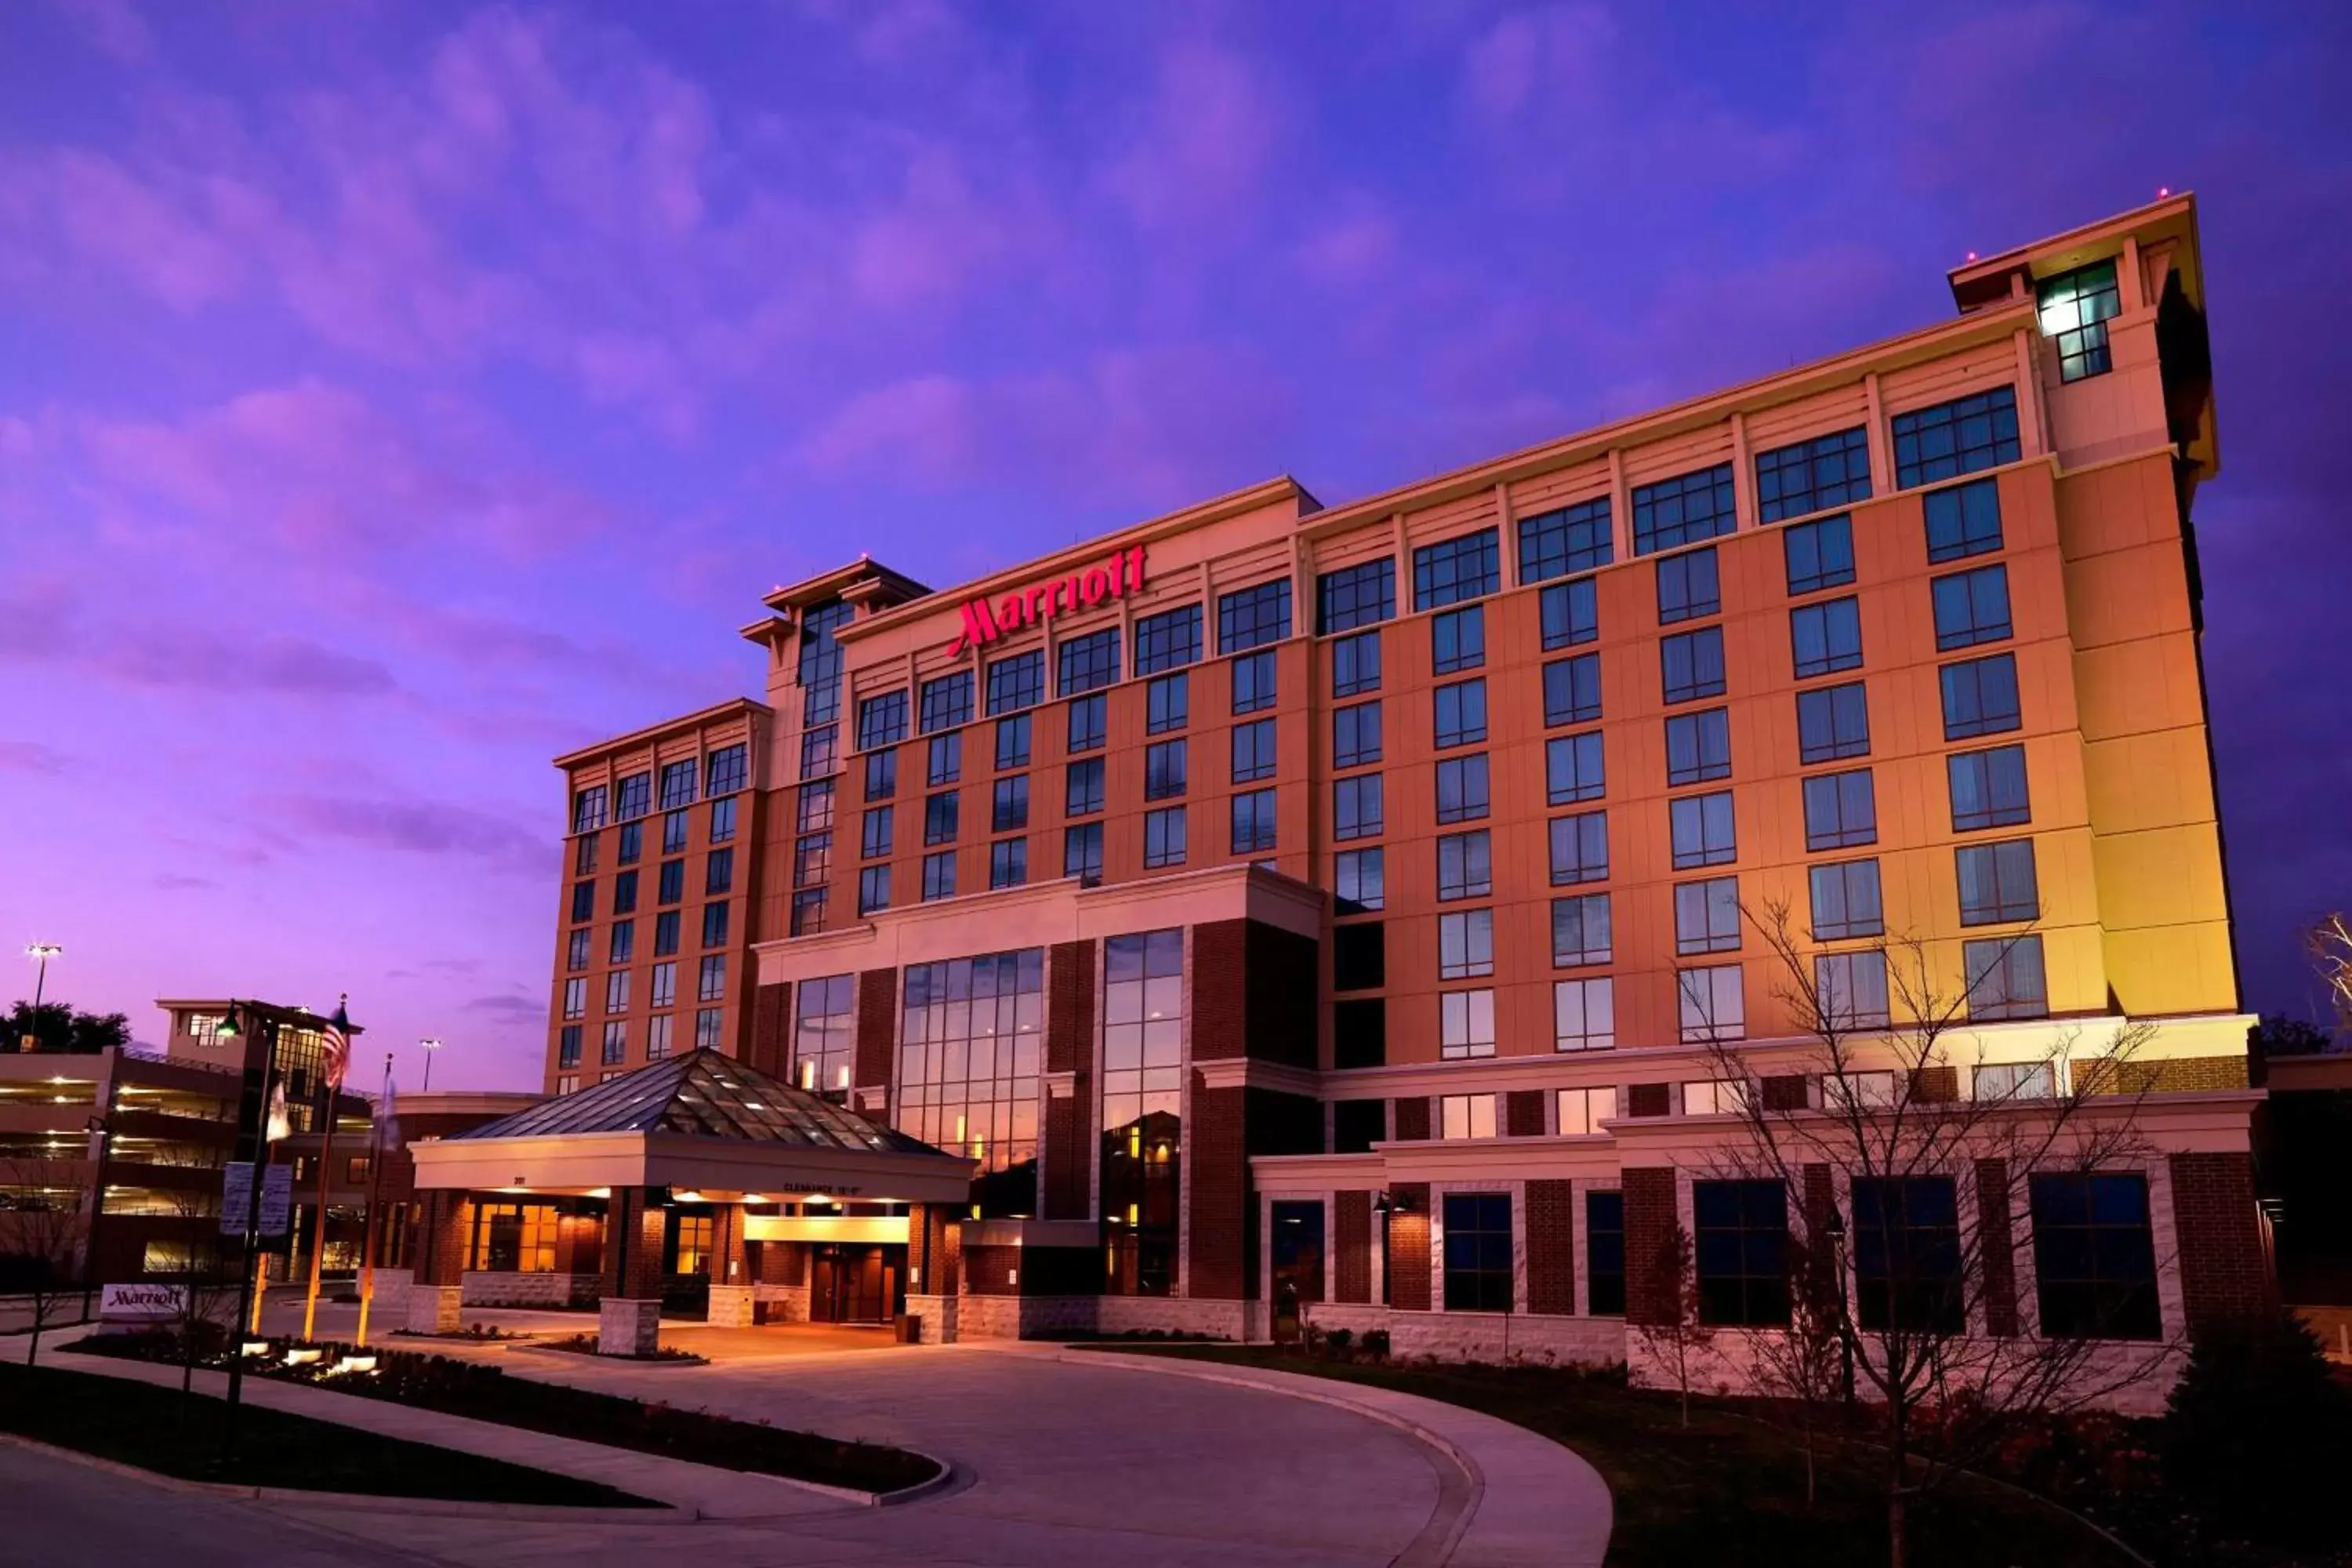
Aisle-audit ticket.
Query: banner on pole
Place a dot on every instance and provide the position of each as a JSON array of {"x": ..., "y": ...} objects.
[
  {"x": 276, "y": 1199},
  {"x": 237, "y": 1198}
]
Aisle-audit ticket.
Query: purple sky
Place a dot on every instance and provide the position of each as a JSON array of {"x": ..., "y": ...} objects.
[{"x": 393, "y": 396}]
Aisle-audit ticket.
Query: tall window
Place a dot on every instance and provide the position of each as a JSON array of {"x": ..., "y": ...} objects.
[
  {"x": 1981, "y": 697},
  {"x": 941, "y": 817},
  {"x": 1906, "y": 1254},
  {"x": 588, "y": 809},
  {"x": 1571, "y": 690},
  {"x": 2094, "y": 1256},
  {"x": 1739, "y": 1241},
  {"x": 947, "y": 702},
  {"x": 1253, "y": 751},
  {"x": 939, "y": 876},
  {"x": 1461, "y": 714},
  {"x": 633, "y": 798},
  {"x": 825, "y": 1036},
  {"x": 1166, "y": 769},
  {"x": 1832, "y": 722},
  {"x": 1997, "y": 883},
  {"x": 711, "y": 979},
  {"x": 1956, "y": 438},
  {"x": 1702, "y": 831},
  {"x": 1989, "y": 789},
  {"x": 1850, "y": 988},
  {"x": 2074, "y": 309},
  {"x": 1462, "y": 792},
  {"x": 1466, "y": 944},
  {"x": 1356, "y": 664},
  {"x": 1016, "y": 682},
  {"x": 1082, "y": 851},
  {"x": 1685, "y": 509},
  {"x": 881, "y": 720},
  {"x": 1845, "y": 902},
  {"x": 1457, "y": 639},
  {"x": 1354, "y": 596},
  {"x": 1840, "y": 810},
  {"x": 1008, "y": 806},
  {"x": 1569, "y": 613},
  {"x": 1707, "y": 916},
  {"x": 678, "y": 784},
  {"x": 1253, "y": 618},
  {"x": 664, "y": 987},
  {"x": 970, "y": 1031},
  {"x": 820, "y": 661},
  {"x": 1470, "y": 567},
  {"x": 1574, "y": 769},
  {"x": 1008, "y": 863},
  {"x": 1692, "y": 664},
  {"x": 1478, "y": 1271},
  {"x": 1088, "y": 663},
  {"x": 1569, "y": 540},
  {"x": 1826, "y": 638},
  {"x": 881, "y": 776},
  {"x": 1082, "y": 787},
  {"x": 1971, "y": 607},
  {"x": 1356, "y": 735},
  {"x": 873, "y": 889},
  {"x": 1142, "y": 1143},
  {"x": 1963, "y": 520},
  {"x": 2006, "y": 978},
  {"x": 728, "y": 771},
  {"x": 632, "y": 835},
  {"x": 1818, "y": 555},
  {"x": 1814, "y": 476},
  {"x": 1358, "y": 810},
  {"x": 1699, "y": 746},
  {"x": 1465, "y": 1024},
  {"x": 1712, "y": 1003},
  {"x": 1163, "y": 838},
  {"x": 812, "y": 860},
  {"x": 1252, "y": 822},
  {"x": 1579, "y": 930},
  {"x": 1359, "y": 880},
  {"x": 1464, "y": 865},
  {"x": 1584, "y": 1014},
  {"x": 624, "y": 944},
  {"x": 1168, "y": 703},
  {"x": 1688, "y": 587},
  {"x": 722, "y": 821},
  {"x": 1089, "y": 716},
  {"x": 1604, "y": 1253},
  {"x": 1169, "y": 640},
  {"x": 1579, "y": 849}
]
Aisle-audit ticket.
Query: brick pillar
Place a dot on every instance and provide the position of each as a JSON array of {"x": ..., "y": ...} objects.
[
  {"x": 1412, "y": 1120},
  {"x": 934, "y": 1271},
  {"x": 1523, "y": 1113},
  {"x": 1351, "y": 1246},
  {"x": 1998, "y": 1247},
  {"x": 1217, "y": 1174},
  {"x": 1219, "y": 998},
  {"x": 628, "y": 1321},
  {"x": 1819, "y": 1199},
  {"x": 772, "y": 1029},
  {"x": 731, "y": 1292},
  {"x": 1552, "y": 1247},
  {"x": 2225, "y": 1270},
  {"x": 435, "y": 1299},
  {"x": 1409, "y": 1246},
  {"x": 784, "y": 1262},
  {"x": 1069, "y": 1152},
  {"x": 877, "y": 1026},
  {"x": 1650, "y": 1221}
]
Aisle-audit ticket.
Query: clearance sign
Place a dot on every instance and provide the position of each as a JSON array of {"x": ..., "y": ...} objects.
[{"x": 984, "y": 621}]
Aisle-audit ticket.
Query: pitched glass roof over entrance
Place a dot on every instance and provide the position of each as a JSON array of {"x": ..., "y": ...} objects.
[{"x": 704, "y": 1094}]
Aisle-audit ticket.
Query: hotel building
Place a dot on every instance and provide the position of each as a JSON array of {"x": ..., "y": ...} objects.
[{"x": 1297, "y": 907}]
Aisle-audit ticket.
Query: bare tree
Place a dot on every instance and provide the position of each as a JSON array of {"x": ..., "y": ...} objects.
[
  {"x": 1676, "y": 1333},
  {"x": 1881, "y": 1113},
  {"x": 41, "y": 1230},
  {"x": 1807, "y": 1365},
  {"x": 2330, "y": 944},
  {"x": 208, "y": 1283}
]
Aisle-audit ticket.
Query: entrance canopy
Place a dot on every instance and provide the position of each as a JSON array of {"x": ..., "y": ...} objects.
[{"x": 704, "y": 1125}]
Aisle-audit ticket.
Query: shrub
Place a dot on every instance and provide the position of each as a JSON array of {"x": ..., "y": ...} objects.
[
  {"x": 1376, "y": 1344},
  {"x": 2258, "y": 1434},
  {"x": 1340, "y": 1342}
]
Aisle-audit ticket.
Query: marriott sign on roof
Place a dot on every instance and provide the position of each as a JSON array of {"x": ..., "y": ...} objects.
[{"x": 985, "y": 620}]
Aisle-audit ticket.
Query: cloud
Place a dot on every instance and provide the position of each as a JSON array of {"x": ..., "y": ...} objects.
[
  {"x": 417, "y": 826},
  {"x": 511, "y": 1012},
  {"x": 1556, "y": 58},
  {"x": 45, "y": 623},
  {"x": 32, "y": 757},
  {"x": 173, "y": 883},
  {"x": 1212, "y": 125}
]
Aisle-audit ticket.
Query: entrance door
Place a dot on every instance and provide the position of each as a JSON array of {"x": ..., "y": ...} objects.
[
  {"x": 1298, "y": 1264},
  {"x": 856, "y": 1284}
]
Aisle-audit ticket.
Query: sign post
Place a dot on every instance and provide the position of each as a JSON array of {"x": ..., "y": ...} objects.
[{"x": 142, "y": 1304}]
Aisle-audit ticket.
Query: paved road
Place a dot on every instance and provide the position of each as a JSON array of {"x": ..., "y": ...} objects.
[{"x": 1075, "y": 1464}]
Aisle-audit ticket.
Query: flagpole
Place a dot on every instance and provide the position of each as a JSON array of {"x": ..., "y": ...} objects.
[
  {"x": 375, "y": 1203},
  {"x": 334, "y": 1083}
]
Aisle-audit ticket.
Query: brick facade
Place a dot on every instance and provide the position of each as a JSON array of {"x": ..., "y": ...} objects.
[
  {"x": 1216, "y": 1175},
  {"x": 1412, "y": 1120},
  {"x": 1551, "y": 1247},
  {"x": 877, "y": 1026},
  {"x": 1069, "y": 1152},
  {"x": 1998, "y": 1243},
  {"x": 1523, "y": 1113},
  {"x": 1281, "y": 981},
  {"x": 1650, "y": 1222},
  {"x": 1220, "y": 1010},
  {"x": 1351, "y": 1246},
  {"x": 772, "y": 1029},
  {"x": 1409, "y": 1247},
  {"x": 632, "y": 1257},
  {"x": 2224, "y": 1267},
  {"x": 1649, "y": 1099}
]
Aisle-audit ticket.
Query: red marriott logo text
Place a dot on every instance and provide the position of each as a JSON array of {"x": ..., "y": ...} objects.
[{"x": 986, "y": 620}]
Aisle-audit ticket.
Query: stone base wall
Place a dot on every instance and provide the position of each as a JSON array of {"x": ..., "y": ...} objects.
[
  {"x": 780, "y": 1303},
  {"x": 389, "y": 1304},
  {"x": 547, "y": 1291},
  {"x": 628, "y": 1328},
  {"x": 433, "y": 1309},
  {"x": 937, "y": 1318},
  {"x": 2133, "y": 1379},
  {"x": 1495, "y": 1338},
  {"x": 730, "y": 1307},
  {"x": 1023, "y": 1317},
  {"x": 1177, "y": 1314}
]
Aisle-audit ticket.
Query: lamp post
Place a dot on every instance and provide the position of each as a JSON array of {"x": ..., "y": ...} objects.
[
  {"x": 429, "y": 1046},
  {"x": 233, "y": 1029},
  {"x": 40, "y": 953},
  {"x": 104, "y": 1128}
]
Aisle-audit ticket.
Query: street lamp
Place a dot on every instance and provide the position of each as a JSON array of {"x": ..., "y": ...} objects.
[
  {"x": 430, "y": 1046},
  {"x": 40, "y": 953}
]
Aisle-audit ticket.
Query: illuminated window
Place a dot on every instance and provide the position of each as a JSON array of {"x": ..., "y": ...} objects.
[
  {"x": 2076, "y": 308},
  {"x": 1584, "y": 1014},
  {"x": 825, "y": 1036},
  {"x": 971, "y": 1033},
  {"x": 1142, "y": 1143}
]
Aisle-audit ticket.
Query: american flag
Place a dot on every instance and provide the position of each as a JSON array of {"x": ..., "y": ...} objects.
[{"x": 335, "y": 1044}]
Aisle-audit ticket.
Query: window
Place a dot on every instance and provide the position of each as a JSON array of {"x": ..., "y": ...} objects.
[
  {"x": 669, "y": 882},
  {"x": 1254, "y": 752},
  {"x": 820, "y": 659},
  {"x": 1692, "y": 663},
  {"x": 616, "y": 1046},
  {"x": 1814, "y": 476},
  {"x": 584, "y": 900},
  {"x": 575, "y": 998},
  {"x": 1461, "y": 711},
  {"x": 1579, "y": 930},
  {"x": 1358, "y": 1124},
  {"x": 1688, "y": 586},
  {"x": 1082, "y": 787},
  {"x": 1168, "y": 703},
  {"x": 1707, "y": 916},
  {"x": 1699, "y": 746},
  {"x": 588, "y": 809},
  {"x": 711, "y": 982},
  {"x": 817, "y": 750},
  {"x": 1088, "y": 717},
  {"x": 881, "y": 777},
  {"x": 1584, "y": 1014},
  {"x": 1989, "y": 789},
  {"x": 1356, "y": 807},
  {"x": 1360, "y": 1034},
  {"x": 575, "y": 950},
  {"x": 1008, "y": 863},
  {"x": 722, "y": 821},
  {"x": 1850, "y": 988},
  {"x": 1169, "y": 640},
  {"x": 2014, "y": 1080},
  {"x": 881, "y": 720},
  {"x": 1840, "y": 810},
  {"x": 633, "y": 834},
  {"x": 875, "y": 832},
  {"x": 1142, "y": 1048},
  {"x": 2076, "y": 308},
  {"x": 1082, "y": 851},
  {"x": 1358, "y": 880},
  {"x": 2005, "y": 978},
  {"x": 1465, "y": 866},
  {"x": 583, "y": 856},
  {"x": 1470, "y": 567},
  {"x": 1981, "y": 697},
  {"x": 673, "y": 832},
  {"x": 1165, "y": 769},
  {"x": 664, "y": 985},
  {"x": 635, "y": 798},
  {"x": 1465, "y": 1024},
  {"x": 1579, "y": 849},
  {"x": 812, "y": 860},
  {"x": 1683, "y": 510},
  {"x": 1008, "y": 805},
  {"x": 625, "y": 893},
  {"x": 1963, "y": 520},
  {"x": 567, "y": 1048},
  {"x": 1477, "y": 1260},
  {"x": 1466, "y": 944},
  {"x": 1826, "y": 638},
  {"x": 1088, "y": 663},
  {"x": 2094, "y": 1256},
  {"x": 659, "y": 1030},
  {"x": 1739, "y": 1244},
  {"x": 1354, "y": 596},
  {"x": 1604, "y": 1253},
  {"x": 1702, "y": 830},
  {"x": 1253, "y": 618},
  {"x": 709, "y": 1024},
  {"x": 1356, "y": 735},
  {"x": 1012, "y": 742},
  {"x": 1254, "y": 682},
  {"x": 1016, "y": 682},
  {"x": 1252, "y": 822},
  {"x": 1956, "y": 438},
  {"x": 941, "y": 812},
  {"x": 666, "y": 933},
  {"x": 1457, "y": 639},
  {"x": 1851, "y": 1091},
  {"x": 1845, "y": 902},
  {"x": 622, "y": 946},
  {"x": 1971, "y": 607},
  {"x": 1997, "y": 883},
  {"x": 726, "y": 771},
  {"x": 1906, "y": 1254},
  {"x": 1573, "y": 769},
  {"x": 616, "y": 991},
  {"x": 938, "y": 876},
  {"x": 1572, "y": 539},
  {"x": 1819, "y": 554},
  {"x": 808, "y": 911},
  {"x": 1570, "y": 613},
  {"x": 1163, "y": 838},
  {"x": 1712, "y": 1005},
  {"x": 945, "y": 761},
  {"x": 873, "y": 889},
  {"x": 1461, "y": 788},
  {"x": 1571, "y": 690},
  {"x": 1832, "y": 722},
  {"x": 1356, "y": 664},
  {"x": 717, "y": 873}
]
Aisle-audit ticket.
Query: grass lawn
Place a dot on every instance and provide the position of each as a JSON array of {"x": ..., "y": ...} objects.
[
  {"x": 1728, "y": 1491},
  {"x": 160, "y": 1429}
]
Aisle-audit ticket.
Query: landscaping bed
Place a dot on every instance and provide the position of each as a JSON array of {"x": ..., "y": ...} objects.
[
  {"x": 177, "y": 1435},
  {"x": 457, "y": 1387}
]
